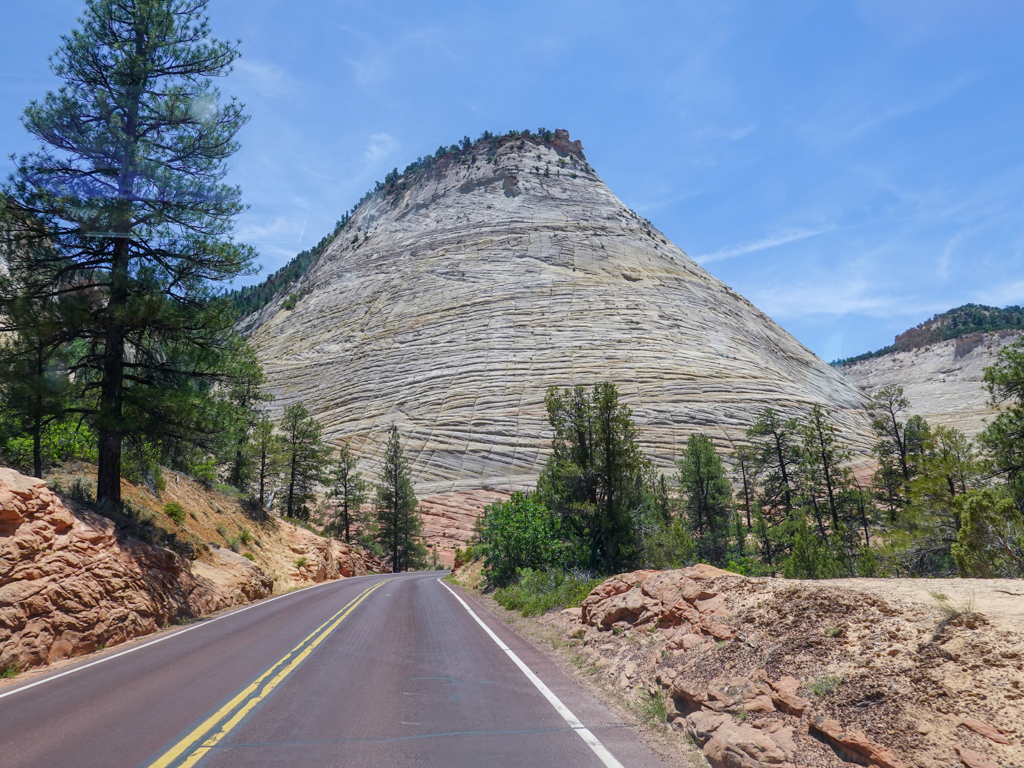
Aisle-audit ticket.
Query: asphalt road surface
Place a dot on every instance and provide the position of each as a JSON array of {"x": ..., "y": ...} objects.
[{"x": 371, "y": 671}]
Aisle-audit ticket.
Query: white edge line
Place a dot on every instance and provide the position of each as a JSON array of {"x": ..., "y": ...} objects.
[
  {"x": 179, "y": 633},
  {"x": 584, "y": 733}
]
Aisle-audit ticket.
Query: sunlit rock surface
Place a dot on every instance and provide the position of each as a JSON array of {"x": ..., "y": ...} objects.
[
  {"x": 449, "y": 309},
  {"x": 943, "y": 381}
]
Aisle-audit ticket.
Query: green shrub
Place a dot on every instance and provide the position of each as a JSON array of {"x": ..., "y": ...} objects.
[
  {"x": 537, "y": 591},
  {"x": 825, "y": 685},
  {"x": 293, "y": 299},
  {"x": 248, "y": 556},
  {"x": 301, "y": 562},
  {"x": 245, "y": 537},
  {"x": 8, "y": 673},
  {"x": 519, "y": 533},
  {"x": 174, "y": 511}
]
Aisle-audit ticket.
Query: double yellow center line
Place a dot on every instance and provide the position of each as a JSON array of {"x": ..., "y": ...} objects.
[{"x": 191, "y": 749}]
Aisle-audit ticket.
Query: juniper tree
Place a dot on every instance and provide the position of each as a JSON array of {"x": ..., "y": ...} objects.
[
  {"x": 399, "y": 529},
  {"x": 1004, "y": 437},
  {"x": 127, "y": 190}
]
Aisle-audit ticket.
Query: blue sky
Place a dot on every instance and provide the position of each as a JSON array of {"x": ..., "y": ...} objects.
[{"x": 850, "y": 167}]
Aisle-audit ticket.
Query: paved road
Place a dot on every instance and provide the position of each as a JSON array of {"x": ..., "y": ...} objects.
[{"x": 371, "y": 671}]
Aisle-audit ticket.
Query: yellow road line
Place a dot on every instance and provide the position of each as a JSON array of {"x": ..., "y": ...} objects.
[{"x": 246, "y": 697}]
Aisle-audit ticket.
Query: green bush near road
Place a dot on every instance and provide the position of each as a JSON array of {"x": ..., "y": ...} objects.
[{"x": 537, "y": 592}]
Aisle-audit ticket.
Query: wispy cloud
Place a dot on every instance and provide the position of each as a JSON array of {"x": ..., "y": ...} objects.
[
  {"x": 838, "y": 297},
  {"x": 264, "y": 77},
  {"x": 381, "y": 145},
  {"x": 850, "y": 119},
  {"x": 753, "y": 246}
]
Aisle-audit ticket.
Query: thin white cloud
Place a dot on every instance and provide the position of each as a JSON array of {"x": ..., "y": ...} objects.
[
  {"x": 1002, "y": 295},
  {"x": 740, "y": 133},
  {"x": 381, "y": 145},
  {"x": 836, "y": 297},
  {"x": 264, "y": 77},
  {"x": 771, "y": 241},
  {"x": 851, "y": 119},
  {"x": 281, "y": 228}
]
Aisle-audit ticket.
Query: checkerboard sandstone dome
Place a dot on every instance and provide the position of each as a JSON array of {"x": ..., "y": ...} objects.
[{"x": 456, "y": 296}]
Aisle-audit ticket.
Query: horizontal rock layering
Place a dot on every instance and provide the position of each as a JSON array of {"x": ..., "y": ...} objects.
[
  {"x": 449, "y": 308},
  {"x": 943, "y": 381}
]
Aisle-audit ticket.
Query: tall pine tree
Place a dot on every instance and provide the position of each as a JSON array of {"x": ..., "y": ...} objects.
[
  {"x": 305, "y": 457},
  {"x": 127, "y": 191},
  {"x": 399, "y": 529},
  {"x": 347, "y": 492}
]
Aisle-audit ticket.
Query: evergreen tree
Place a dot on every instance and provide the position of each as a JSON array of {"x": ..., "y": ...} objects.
[
  {"x": 1004, "y": 437},
  {"x": 305, "y": 458},
  {"x": 990, "y": 542},
  {"x": 825, "y": 482},
  {"x": 245, "y": 393},
  {"x": 399, "y": 529},
  {"x": 266, "y": 455},
  {"x": 347, "y": 492},
  {"x": 597, "y": 478},
  {"x": 707, "y": 497},
  {"x": 928, "y": 528},
  {"x": 127, "y": 193},
  {"x": 746, "y": 474},
  {"x": 776, "y": 456},
  {"x": 34, "y": 354}
]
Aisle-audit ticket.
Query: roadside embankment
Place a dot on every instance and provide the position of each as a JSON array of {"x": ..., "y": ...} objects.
[
  {"x": 73, "y": 581},
  {"x": 772, "y": 672}
]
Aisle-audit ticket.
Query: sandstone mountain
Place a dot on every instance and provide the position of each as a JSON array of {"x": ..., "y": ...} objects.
[
  {"x": 943, "y": 380},
  {"x": 460, "y": 291}
]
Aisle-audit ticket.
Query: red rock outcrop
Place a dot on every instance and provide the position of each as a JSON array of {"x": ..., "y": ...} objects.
[
  {"x": 70, "y": 583},
  {"x": 664, "y": 598},
  {"x": 775, "y": 673}
]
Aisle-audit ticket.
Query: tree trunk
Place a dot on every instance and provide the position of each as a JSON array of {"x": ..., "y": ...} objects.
[
  {"x": 108, "y": 476},
  {"x": 37, "y": 446}
]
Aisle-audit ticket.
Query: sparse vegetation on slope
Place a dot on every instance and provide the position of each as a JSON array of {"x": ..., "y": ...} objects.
[
  {"x": 253, "y": 298},
  {"x": 957, "y": 323}
]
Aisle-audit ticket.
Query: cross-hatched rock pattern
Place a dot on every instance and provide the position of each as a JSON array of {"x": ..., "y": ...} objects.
[
  {"x": 943, "y": 381},
  {"x": 449, "y": 307}
]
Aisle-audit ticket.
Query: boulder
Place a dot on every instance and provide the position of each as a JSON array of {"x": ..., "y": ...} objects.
[{"x": 854, "y": 745}]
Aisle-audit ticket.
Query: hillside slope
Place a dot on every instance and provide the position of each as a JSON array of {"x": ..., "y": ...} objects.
[
  {"x": 773, "y": 672},
  {"x": 72, "y": 581},
  {"x": 943, "y": 379}
]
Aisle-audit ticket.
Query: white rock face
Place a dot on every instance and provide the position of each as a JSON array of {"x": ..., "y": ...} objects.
[
  {"x": 943, "y": 381},
  {"x": 450, "y": 308}
]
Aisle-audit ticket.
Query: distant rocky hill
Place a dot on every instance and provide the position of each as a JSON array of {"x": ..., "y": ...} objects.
[
  {"x": 966, "y": 322},
  {"x": 459, "y": 291},
  {"x": 940, "y": 364}
]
